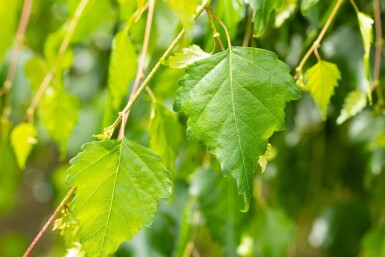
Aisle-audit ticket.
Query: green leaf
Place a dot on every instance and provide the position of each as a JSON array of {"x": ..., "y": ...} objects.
[
  {"x": 119, "y": 186},
  {"x": 219, "y": 204},
  {"x": 230, "y": 12},
  {"x": 23, "y": 137},
  {"x": 185, "y": 58},
  {"x": 322, "y": 78},
  {"x": 287, "y": 9},
  {"x": 165, "y": 134},
  {"x": 35, "y": 69},
  {"x": 234, "y": 101},
  {"x": 59, "y": 112},
  {"x": 306, "y": 5},
  {"x": 366, "y": 27},
  {"x": 355, "y": 102},
  {"x": 185, "y": 10},
  {"x": 374, "y": 243},
  {"x": 262, "y": 12},
  {"x": 122, "y": 67},
  {"x": 8, "y": 19}
]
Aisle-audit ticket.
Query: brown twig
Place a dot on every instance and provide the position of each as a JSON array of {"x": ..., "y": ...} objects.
[
  {"x": 50, "y": 220},
  {"x": 142, "y": 62},
  {"x": 63, "y": 48},
  {"x": 378, "y": 53}
]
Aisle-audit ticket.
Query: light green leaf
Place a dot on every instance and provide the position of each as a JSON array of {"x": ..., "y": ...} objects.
[
  {"x": 268, "y": 156},
  {"x": 262, "y": 12},
  {"x": 235, "y": 101},
  {"x": 322, "y": 78},
  {"x": 185, "y": 58},
  {"x": 355, "y": 102},
  {"x": 122, "y": 68},
  {"x": 185, "y": 10},
  {"x": 219, "y": 204},
  {"x": 23, "y": 137},
  {"x": 230, "y": 12},
  {"x": 306, "y": 5},
  {"x": 286, "y": 10},
  {"x": 59, "y": 111},
  {"x": 119, "y": 186},
  {"x": 374, "y": 243},
  {"x": 165, "y": 134},
  {"x": 8, "y": 20},
  {"x": 366, "y": 27},
  {"x": 35, "y": 69}
]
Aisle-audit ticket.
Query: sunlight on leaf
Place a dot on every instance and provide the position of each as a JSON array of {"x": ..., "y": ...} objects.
[
  {"x": 186, "y": 57},
  {"x": 23, "y": 138},
  {"x": 355, "y": 102},
  {"x": 185, "y": 11}
]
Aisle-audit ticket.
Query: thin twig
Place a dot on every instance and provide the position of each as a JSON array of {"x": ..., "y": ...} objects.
[
  {"x": 50, "y": 220},
  {"x": 142, "y": 62},
  {"x": 378, "y": 53},
  {"x": 26, "y": 13},
  {"x": 63, "y": 48},
  {"x": 317, "y": 42},
  {"x": 216, "y": 34},
  {"x": 249, "y": 28},
  {"x": 224, "y": 28},
  {"x": 146, "y": 81}
]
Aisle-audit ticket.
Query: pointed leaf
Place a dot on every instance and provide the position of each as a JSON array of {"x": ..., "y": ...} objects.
[
  {"x": 220, "y": 205},
  {"x": 23, "y": 138},
  {"x": 366, "y": 27},
  {"x": 235, "y": 100},
  {"x": 165, "y": 134},
  {"x": 122, "y": 67},
  {"x": 185, "y": 58},
  {"x": 262, "y": 12},
  {"x": 185, "y": 10},
  {"x": 322, "y": 78},
  {"x": 355, "y": 102},
  {"x": 119, "y": 186},
  {"x": 59, "y": 112}
]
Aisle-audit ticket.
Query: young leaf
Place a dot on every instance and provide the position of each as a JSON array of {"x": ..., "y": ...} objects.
[
  {"x": 355, "y": 102},
  {"x": 23, "y": 138},
  {"x": 185, "y": 58},
  {"x": 122, "y": 67},
  {"x": 366, "y": 28},
  {"x": 262, "y": 11},
  {"x": 219, "y": 204},
  {"x": 59, "y": 112},
  {"x": 35, "y": 69},
  {"x": 119, "y": 186},
  {"x": 306, "y": 5},
  {"x": 185, "y": 10},
  {"x": 235, "y": 100},
  {"x": 165, "y": 134},
  {"x": 322, "y": 78}
]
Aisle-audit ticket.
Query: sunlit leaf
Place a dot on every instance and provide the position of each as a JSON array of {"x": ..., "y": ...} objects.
[
  {"x": 165, "y": 134},
  {"x": 119, "y": 186},
  {"x": 59, "y": 112},
  {"x": 322, "y": 78},
  {"x": 8, "y": 20},
  {"x": 186, "y": 57},
  {"x": 286, "y": 10},
  {"x": 35, "y": 69},
  {"x": 185, "y": 10},
  {"x": 23, "y": 138},
  {"x": 122, "y": 68},
  {"x": 234, "y": 101},
  {"x": 354, "y": 103},
  {"x": 306, "y": 5}
]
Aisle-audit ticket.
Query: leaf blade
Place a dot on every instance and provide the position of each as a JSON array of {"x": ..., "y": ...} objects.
[{"x": 23, "y": 137}]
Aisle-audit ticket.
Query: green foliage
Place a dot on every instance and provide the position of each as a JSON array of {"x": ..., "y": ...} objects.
[
  {"x": 59, "y": 112},
  {"x": 231, "y": 12},
  {"x": 23, "y": 138},
  {"x": 186, "y": 57},
  {"x": 122, "y": 183},
  {"x": 322, "y": 78},
  {"x": 263, "y": 10},
  {"x": 166, "y": 134},
  {"x": 374, "y": 243},
  {"x": 354, "y": 103},
  {"x": 234, "y": 101},
  {"x": 306, "y": 5},
  {"x": 122, "y": 67},
  {"x": 8, "y": 20},
  {"x": 185, "y": 11}
]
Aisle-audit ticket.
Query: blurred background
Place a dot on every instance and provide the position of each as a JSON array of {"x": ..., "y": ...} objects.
[{"x": 323, "y": 190}]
